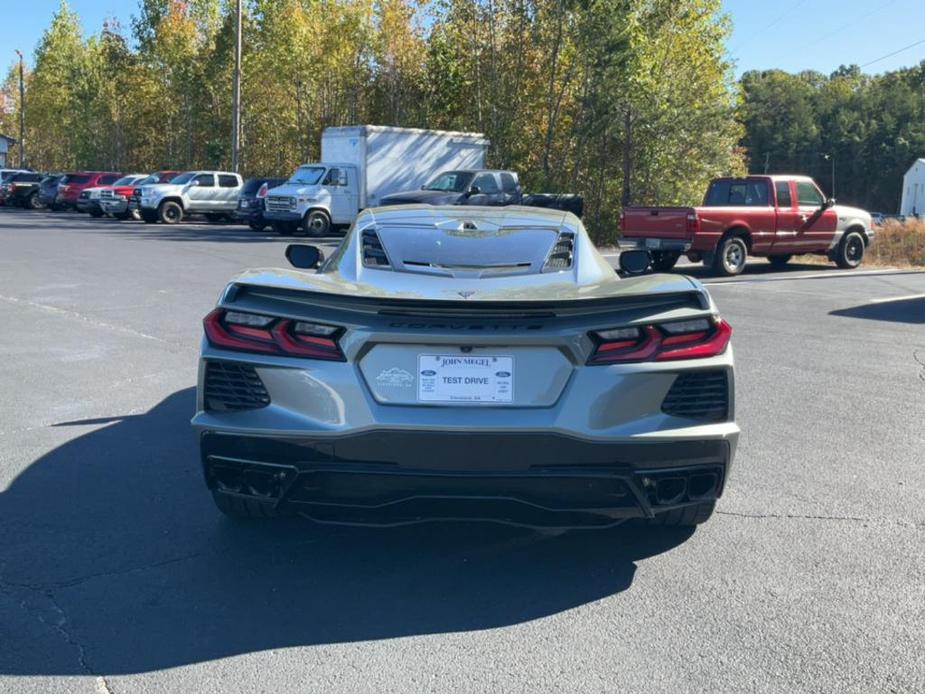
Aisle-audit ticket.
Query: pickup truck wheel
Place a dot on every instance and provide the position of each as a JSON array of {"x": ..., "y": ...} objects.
[
  {"x": 663, "y": 261},
  {"x": 316, "y": 224},
  {"x": 33, "y": 203},
  {"x": 170, "y": 212},
  {"x": 779, "y": 260},
  {"x": 850, "y": 251},
  {"x": 685, "y": 516},
  {"x": 730, "y": 256},
  {"x": 237, "y": 508}
]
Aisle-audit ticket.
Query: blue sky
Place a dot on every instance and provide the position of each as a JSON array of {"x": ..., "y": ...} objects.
[{"x": 790, "y": 34}]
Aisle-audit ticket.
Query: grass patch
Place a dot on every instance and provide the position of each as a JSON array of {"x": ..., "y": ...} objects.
[{"x": 898, "y": 243}]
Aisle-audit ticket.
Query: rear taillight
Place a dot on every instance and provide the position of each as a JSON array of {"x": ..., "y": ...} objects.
[
  {"x": 693, "y": 223},
  {"x": 252, "y": 332},
  {"x": 691, "y": 339}
]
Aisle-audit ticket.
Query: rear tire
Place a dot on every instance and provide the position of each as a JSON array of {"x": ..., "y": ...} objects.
[
  {"x": 686, "y": 516},
  {"x": 730, "y": 257},
  {"x": 779, "y": 260},
  {"x": 850, "y": 251},
  {"x": 316, "y": 224},
  {"x": 33, "y": 202},
  {"x": 664, "y": 261},
  {"x": 243, "y": 509},
  {"x": 170, "y": 212}
]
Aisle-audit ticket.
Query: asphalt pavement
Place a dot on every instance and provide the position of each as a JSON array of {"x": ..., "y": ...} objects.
[{"x": 118, "y": 575}]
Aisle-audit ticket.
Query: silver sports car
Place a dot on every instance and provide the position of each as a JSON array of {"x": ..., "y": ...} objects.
[{"x": 465, "y": 362}]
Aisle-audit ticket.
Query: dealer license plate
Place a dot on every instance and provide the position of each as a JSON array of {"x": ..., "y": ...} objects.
[
  {"x": 653, "y": 243},
  {"x": 465, "y": 378}
]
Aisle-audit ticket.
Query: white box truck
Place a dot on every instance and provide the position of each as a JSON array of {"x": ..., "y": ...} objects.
[{"x": 361, "y": 164}]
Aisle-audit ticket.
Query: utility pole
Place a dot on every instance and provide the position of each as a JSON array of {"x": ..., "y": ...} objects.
[
  {"x": 22, "y": 114},
  {"x": 831, "y": 158},
  {"x": 767, "y": 159},
  {"x": 236, "y": 94}
]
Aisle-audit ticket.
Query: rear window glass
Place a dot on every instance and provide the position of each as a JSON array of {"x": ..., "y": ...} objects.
[
  {"x": 783, "y": 194},
  {"x": 496, "y": 252},
  {"x": 27, "y": 178},
  {"x": 227, "y": 181},
  {"x": 737, "y": 193},
  {"x": 76, "y": 178},
  {"x": 508, "y": 183}
]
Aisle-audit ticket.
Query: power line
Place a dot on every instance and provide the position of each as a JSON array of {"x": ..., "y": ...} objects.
[
  {"x": 772, "y": 23},
  {"x": 890, "y": 55}
]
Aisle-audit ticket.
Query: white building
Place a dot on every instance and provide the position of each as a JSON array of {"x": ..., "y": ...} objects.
[
  {"x": 914, "y": 190},
  {"x": 6, "y": 143}
]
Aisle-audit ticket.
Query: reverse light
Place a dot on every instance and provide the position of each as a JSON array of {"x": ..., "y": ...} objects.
[
  {"x": 693, "y": 224},
  {"x": 253, "y": 332},
  {"x": 691, "y": 339}
]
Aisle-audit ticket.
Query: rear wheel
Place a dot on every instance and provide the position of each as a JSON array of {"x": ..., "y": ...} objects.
[
  {"x": 730, "y": 256},
  {"x": 316, "y": 224},
  {"x": 33, "y": 202},
  {"x": 238, "y": 508},
  {"x": 685, "y": 516},
  {"x": 779, "y": 260},
  {"x": 170, "y": 212},
  {"x": 663, "y": 261},
  {"x": 850, "y": 251}
]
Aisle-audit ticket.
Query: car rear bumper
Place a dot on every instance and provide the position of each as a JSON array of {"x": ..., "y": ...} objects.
[
  {"x": 536, "y": 479},
  {"x": 644, "y": 243}
]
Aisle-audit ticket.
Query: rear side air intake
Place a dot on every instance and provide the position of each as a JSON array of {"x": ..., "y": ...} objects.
[
  {"x": 230, "y": 386},
  {"x": 700, "y": 395},
  {"x": 372, "y": 251},
  {"x": 562, "y": 253}
]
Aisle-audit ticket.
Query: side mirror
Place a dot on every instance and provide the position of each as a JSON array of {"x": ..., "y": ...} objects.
[
  {"x": 193, "y": 183},
  {"x": 303, "y": 256},
  {"x": 830, "y": 202},
  {"x": 634, "y": 262},
  {"x": 474, "y": 190}
]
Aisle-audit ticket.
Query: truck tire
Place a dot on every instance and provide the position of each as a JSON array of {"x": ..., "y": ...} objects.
[
  {"x": 238, "y": 508},
  {"x": 730, "y": 257},
  {"x": 33, "y": 202},
  {"x": 850, "y": 251},
  {"x": 170, "y": 212},
  {"x": 686, "y": 516},
  {"x": 316, "y": 224},
  {"x": 779, "y": 260},
  {"x": 663, "y": 261}
]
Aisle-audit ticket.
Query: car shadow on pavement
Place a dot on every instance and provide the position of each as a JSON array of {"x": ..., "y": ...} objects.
[
  {"x": 114, "y": 560},
  {"x": 911, "y": 310},
  {"x": 752, "y": 270}
]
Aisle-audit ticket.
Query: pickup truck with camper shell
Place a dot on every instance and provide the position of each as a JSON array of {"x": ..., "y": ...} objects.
[
  {"x": 772, "y": 216},
  {"x": 359, "y": 166},
  {"x": 210, "y": 193}
]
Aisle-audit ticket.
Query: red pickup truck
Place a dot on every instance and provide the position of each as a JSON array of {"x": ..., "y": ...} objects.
[{"x": 771, "y": 216}]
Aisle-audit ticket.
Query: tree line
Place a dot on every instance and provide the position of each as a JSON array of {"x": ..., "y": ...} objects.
[{"x": 619, "y": 100}]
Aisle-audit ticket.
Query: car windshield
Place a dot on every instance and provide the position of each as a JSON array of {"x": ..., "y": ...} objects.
[
  {"x": 183, "y": 177},
  {"x": 125, "y": 181},
  {"x": 76, "y": 178},
  {"x": 451, "y": 182},
  {"x": 307, "y": 175},
  {"x": 148, "y": 180}
]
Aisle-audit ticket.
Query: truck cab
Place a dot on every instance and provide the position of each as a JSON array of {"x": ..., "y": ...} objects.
[
  {"x": 775, "y": 217},
  {"x": 316, "y": 197}
]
